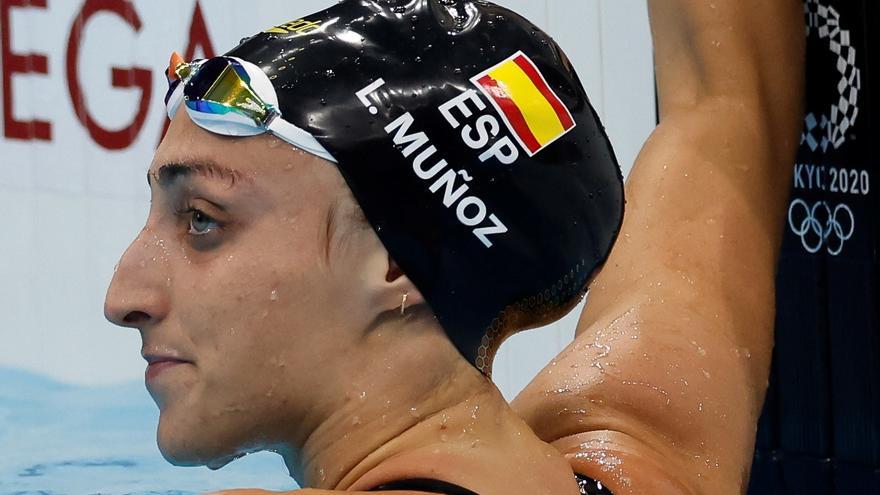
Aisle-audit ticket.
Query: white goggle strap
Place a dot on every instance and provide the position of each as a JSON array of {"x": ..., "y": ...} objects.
[
  {"x": 175, "y": 100},
  {"x": 299, "y": 138}
]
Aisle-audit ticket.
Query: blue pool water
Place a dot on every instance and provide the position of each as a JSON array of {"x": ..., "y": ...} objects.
[{"x": 62, "y": 440}]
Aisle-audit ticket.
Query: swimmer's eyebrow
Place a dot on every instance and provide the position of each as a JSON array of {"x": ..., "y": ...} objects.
[{"x": 169, "y": 173}]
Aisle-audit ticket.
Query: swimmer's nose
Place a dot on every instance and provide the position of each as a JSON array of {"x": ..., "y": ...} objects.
[{"x": 137, "y": 296}]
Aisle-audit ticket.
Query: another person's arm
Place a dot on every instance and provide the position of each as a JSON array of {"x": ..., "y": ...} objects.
[{"x": 661, "y": 390}]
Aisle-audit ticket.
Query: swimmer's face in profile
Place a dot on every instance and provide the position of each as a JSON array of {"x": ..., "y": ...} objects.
[{"x": 257, "y": 280}]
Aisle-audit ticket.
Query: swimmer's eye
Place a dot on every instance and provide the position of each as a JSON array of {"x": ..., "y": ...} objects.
[{"x": 200, "y": 224}]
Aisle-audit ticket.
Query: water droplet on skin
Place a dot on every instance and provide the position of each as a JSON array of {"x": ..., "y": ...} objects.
[
  {"x": 743, "y": 352},
  {"x": 655, "y": 388},
  {"x": 700, "y": 350},
  {"x": 363, "y": 395},
  {"x": 414, "y": 412},
  {"x": 356, "y": 420},
  {"x": 274, "y": 295},
  {"x": 571, "y": 412}
]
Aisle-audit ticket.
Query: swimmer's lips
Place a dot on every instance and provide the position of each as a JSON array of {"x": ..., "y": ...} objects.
[{"x": 158, "y": 364}]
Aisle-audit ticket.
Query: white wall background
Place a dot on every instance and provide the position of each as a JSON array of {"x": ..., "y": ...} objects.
[{"x": 69, "y": 208}]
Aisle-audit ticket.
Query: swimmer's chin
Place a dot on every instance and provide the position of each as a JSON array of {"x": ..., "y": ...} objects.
[
  {"x": 187, "y": 459},
  {"x": 222, "y": 463},
  {"x": 181, "y": 453},
  {"x": 178, "y": 458},
  {"x": 184, "y": 444}
]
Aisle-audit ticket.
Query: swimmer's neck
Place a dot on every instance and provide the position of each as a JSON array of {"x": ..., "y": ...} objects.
[{"x": 374, "y": 440}]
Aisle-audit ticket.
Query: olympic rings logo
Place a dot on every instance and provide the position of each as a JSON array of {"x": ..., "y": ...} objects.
[{"x": 821, "y": 226}]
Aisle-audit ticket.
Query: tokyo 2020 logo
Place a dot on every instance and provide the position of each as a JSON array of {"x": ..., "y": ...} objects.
[
  {"x": 834, "y": 84},
  {"x": 826, "y": 127}
]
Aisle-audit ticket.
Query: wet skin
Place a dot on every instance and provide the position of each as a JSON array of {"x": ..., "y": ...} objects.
[
  {"x": 661, "y": 390},
  {"x": 270, "y": 314}
]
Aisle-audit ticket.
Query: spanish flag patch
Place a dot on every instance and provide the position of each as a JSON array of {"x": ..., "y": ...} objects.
[{"x": 531, "y": 109}]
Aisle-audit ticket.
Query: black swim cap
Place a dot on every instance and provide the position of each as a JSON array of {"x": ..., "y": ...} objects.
[{"x": 469, "y": 143}]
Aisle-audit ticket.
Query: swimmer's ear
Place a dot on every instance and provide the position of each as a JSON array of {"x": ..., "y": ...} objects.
[
  {"x": 383, "y": 279},
  {"x": 397, "y": 285}
]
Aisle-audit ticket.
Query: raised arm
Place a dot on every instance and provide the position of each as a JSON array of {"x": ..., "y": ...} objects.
[{"x": 661, "y": 390}]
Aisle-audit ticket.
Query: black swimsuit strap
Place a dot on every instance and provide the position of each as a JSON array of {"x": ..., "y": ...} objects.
[
  {"x": 425, "y": 485},
  {"x": 590, "y": 487},
  {"x": 587, "y": 486}
]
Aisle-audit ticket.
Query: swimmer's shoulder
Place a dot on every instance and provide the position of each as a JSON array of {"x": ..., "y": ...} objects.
[
  {"x": 478, "y": 470},
  {"x": 446, "y": 473}
]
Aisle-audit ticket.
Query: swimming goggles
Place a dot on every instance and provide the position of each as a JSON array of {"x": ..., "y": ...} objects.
[{"x": 233, "y": 97}]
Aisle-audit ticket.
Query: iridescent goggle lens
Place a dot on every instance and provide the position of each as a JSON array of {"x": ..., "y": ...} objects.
[{"x": 232, "y": 97}]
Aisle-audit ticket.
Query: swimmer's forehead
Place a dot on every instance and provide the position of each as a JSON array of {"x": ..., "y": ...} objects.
[
  {"x": 189, "y": 152},
  {"x": 253, "y": 165}
]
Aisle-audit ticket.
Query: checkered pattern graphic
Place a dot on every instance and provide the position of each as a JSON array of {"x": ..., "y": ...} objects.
[{"x": 829, "y": 130}]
